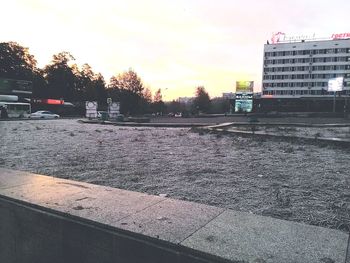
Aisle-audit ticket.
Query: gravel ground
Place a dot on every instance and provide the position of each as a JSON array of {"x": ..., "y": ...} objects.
[{"x": 288, "y": 180}]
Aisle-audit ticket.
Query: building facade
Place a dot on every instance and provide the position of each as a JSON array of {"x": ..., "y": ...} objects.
[{"x": 301, "y": 69}]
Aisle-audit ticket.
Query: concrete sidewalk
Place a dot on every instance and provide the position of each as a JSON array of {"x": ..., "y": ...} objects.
[{"x": 68, "y": 218}]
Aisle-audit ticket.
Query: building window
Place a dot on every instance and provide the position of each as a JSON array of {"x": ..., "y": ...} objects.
[{"x": 341, "y": 50}]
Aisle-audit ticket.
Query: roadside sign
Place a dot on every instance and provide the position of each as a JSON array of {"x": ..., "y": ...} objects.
[
  {"x": 91, "y": 109},
  {"x": 114, "y": 109}
]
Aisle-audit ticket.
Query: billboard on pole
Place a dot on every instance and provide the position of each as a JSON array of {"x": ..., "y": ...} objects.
[
  {"x": 244, "y": 96},
  {"x": 336, "y": 84},
  {"x": 244, "y": 86}
]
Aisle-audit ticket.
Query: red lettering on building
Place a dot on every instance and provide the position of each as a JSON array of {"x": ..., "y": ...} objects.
[
  {"x": 277, "y": 37},
  {"x": 341, "y": 36}
]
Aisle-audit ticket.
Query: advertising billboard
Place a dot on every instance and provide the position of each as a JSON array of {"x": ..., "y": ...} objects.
[
  {"x": 244, "y": 102},
  {"x": 244, "y": 86},
  {"x": 13, "y": 86},
  {"x": 336, "y": 84},
  {"x": 244, "y": 96}
]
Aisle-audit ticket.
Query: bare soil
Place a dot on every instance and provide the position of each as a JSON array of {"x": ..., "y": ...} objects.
[{"x": 287, "y": 180}]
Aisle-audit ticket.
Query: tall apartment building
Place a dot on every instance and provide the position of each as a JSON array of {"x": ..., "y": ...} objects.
[{"x": 301, "y": 69}]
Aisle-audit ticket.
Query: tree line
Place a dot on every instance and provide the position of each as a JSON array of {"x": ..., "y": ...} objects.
[{"x": 62, "y": 78}]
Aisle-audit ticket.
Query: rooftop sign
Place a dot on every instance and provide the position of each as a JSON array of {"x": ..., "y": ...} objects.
[
  {"x": 341, "y": 36},
  {"x": 280, "y": 37}
]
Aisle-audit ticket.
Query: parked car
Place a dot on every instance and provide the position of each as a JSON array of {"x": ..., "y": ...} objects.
[{"x": 41, "y": 114}]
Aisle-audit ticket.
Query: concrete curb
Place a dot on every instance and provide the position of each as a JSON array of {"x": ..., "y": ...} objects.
[
  {"x": 47, "y": 219},
  {"x": 147, "y": 124},
  {"x": 283, "y": 124},
  {"x": 223, "y": 128}
]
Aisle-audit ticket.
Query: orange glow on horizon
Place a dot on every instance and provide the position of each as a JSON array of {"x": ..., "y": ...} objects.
[{"x": 172, "y": 45}]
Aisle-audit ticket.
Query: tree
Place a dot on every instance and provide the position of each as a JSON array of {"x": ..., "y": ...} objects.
[
  {"x": 61, "y": 78},
  {"x": 128, "y": 80},
  {"x": 202, "y": 100},
  {"x": 158, "y": 104},
  {"x": 90, "y": 86},
  {"x": 86, "y": 83},
  {"x": 176, "y": 106},
  {"x": 219, "y": 105},
  {"x": 16, "y": 62},
  {"x": 146, "y": 101},
  {"x": 158, "y": 96},
  {"x": 128, "y": 89},
  {"x": 147, "y": 95},
  {"x": 40, "y": 89},
  {"x": 100, "y": 89}
]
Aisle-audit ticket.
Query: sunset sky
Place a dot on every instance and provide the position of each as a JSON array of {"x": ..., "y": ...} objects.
[{"x": 172, "y": 45}]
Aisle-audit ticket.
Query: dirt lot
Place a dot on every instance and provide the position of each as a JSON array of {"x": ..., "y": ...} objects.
[{"x": 288, "y": 180}]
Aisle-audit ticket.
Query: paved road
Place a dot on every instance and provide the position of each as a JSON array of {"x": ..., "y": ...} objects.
[{"x": 238, "y": 118}]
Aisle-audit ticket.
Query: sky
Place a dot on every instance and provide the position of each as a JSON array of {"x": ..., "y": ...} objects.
[{"x": 173, "y": 45}]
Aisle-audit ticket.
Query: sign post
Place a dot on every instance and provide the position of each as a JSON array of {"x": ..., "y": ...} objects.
[{"x": 109, "y": 102}]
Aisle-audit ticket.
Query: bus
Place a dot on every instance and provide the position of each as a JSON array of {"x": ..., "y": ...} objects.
[{"x": 16, "y": 109}]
